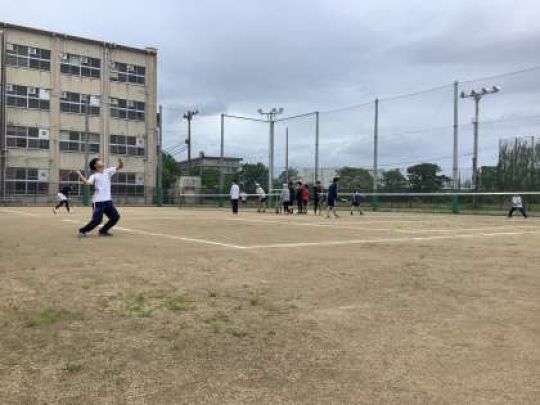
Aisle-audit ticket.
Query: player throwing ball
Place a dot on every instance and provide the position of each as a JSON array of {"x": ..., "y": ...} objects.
[{"x": 102, "y": 202}]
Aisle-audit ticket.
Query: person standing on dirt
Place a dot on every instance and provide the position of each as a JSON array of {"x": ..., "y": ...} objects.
[
  {"x": 292, "y": 195},
  {"x": 332, "y": 198},
  {"x": 235, "y": 195},
  {"x": 299, "y": 199},
  {"x": 261, "y": 198},
  {"x": 305, "y": 198},
  {"x": 356, "y": 199},
  {"x": 318, "y": 195},
  {"x": 285, "y": 199},
  {"x": 517, "y": 205}
]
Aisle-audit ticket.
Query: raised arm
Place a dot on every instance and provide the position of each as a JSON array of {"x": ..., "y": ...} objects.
[
  {"x": 120, "y": 164},
  {"x": 83, "y": 179}
]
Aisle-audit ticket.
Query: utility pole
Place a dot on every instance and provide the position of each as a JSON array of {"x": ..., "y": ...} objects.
[
  {"x": 376, "y": 155},
  {"x": 159, "y": 193},
  {"x": 188, "y": 115},
  {"x": 271, "y": 117},
  {"x": 287, "y": 154},
  {"x": 477, "y": 96}
]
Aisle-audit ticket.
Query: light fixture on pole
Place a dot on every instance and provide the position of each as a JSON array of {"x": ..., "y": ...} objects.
[
  {"x": 188, "y": 115},
  {"x": 271, "y": 117},
  {"x": 477, "y": 95}
]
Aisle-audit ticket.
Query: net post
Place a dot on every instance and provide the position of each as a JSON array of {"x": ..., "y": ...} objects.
[
  {"x": 375, "y": 199},
  {"x": 455, "y": 203}
]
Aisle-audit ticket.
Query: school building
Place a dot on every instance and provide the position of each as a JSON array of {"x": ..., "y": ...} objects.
[{"x": 66, "y": 99}]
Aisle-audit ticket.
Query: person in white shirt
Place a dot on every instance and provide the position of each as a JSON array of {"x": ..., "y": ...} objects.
[
  {"x": 517, "y": 205},
  {"x": 285, "y": 198},
  {"x": 235, "y": 194},
  {"x": 244, "y": 197},
  {"x": 261, "y": 198},
  {"x": 102, "y": 202}
]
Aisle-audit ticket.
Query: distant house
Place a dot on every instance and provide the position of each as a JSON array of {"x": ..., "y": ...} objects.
[{"x": 231, "y": 165}]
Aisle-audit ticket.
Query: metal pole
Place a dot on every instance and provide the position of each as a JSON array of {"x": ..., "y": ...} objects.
[
  {"x": 316, "y": 174},
  {"x": 160, "y": 159},
  {"x": 455, "y": 161},
  {"x": 3, "y": 146},
  {"x": 86, "y": 188},
  {"x": 221, "y": 155},
  {"x": 376, "y": 155},
  {"x": 287, "y": 154},
  {"x": 189, "y": 145},
  {"x": 271, "y": 160},
  {"x": 475, "y": 147}
]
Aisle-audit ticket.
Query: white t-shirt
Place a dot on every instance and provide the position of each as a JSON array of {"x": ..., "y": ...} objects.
[
  {"x": 235, "y": 192},
  {"x": 260, "y": 192},
  {"x": 516, "y": 202},
  {"x": 102, "y": 184},
  {"x": 243, "y": 196}
]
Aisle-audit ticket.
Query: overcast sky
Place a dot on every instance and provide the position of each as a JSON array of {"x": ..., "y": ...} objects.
[{"x": 305, "y": 55}]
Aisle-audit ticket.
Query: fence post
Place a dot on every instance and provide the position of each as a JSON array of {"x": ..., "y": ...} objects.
[{"x": 375, "y": 200}]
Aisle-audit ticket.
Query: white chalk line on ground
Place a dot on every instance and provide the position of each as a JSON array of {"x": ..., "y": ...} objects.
[
  {"x": 168, "y": 236},
  {"x": 386, "y": 240},
  {"x": 320, "y": 243},
  {"x": 8, "y": 211}
]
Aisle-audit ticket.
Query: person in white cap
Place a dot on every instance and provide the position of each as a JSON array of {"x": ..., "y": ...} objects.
[{"x": 261, "y": 198}]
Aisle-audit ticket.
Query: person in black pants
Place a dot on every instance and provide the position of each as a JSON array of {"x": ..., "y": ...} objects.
[
  {"x": 517, "y": 205},
  {"x": 235, "y": 195},
  {"x": 63, "y": 199},
  {"x": 101, "y": 180},
  {"x": 299, "y": 200}
]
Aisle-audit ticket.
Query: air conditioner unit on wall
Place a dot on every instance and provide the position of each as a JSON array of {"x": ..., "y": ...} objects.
[
  {"x": 43, "y": 133},
  {"x": 130, "y": 68},
  {"x": 44, "y": 94},
  {"x": 84, "y": 59},
  {"x": 139, "y": 179},
  {"x": 140, "y": 142},
  {"x": 32, "y": 51},
  {"x": 10, "y": 47},
  {"x": 43, "y": 175},
  {"x": 9, "y": 87},
  {"x": 130, "y": 104},
  {"x": 64, "y": 56},
  {"x": 32, "y": 90}
]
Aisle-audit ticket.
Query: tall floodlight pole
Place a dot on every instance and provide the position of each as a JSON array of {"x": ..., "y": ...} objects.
[
  {"x": 477, "y": 96},
  {"x": 221, "y": 155},
  {"x": 86, "y": 188},
  {"x": 287, "y": 154},
  {"x": 376, "y": 154},
  {"x": 316, "y": 174},
  {"x": 188, "y": 115},
  {"x": 271, "y": 117},
  {"x": 455, "y": 161}
]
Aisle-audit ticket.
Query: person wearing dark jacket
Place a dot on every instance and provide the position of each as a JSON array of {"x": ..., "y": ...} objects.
[
  {"x": 332, "y": 198},
  {"x": 318, "y": 196},
  {"x": 292, "y": 195}
]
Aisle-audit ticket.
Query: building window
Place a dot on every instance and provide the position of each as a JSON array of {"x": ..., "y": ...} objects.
[
  {"x": 24, "y": 180},
  {"x": 127, "y": 109},
  {"x": 76, "y": 103},
  {"x": 126, "y": 145},
  {"x": 27, "y": 137},
  {"x": 28, "y": 57},
  {"x": 126, "y": 73},
  {"x": 27, "y": 97},
  {"x": 127, "y": 184},
  {"x": 75, "y": 141},
  {"x": 79, "y": 65}
]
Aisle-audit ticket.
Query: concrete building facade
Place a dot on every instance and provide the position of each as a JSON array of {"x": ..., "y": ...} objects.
[{"x": 67, "y": 99}]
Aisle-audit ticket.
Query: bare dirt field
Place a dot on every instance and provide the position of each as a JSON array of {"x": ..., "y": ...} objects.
[{"x": 197, "y": 307}]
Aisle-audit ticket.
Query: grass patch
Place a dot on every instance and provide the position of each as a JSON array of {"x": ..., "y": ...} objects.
[
  {"x": 239, "y": 333},
  {"x": 217, "y": 321},
  {"x": 50, "y": 316},
  {"x": 135, "y": 305},
  {"x": 255, "y": 298},
  {"x": 96, "y": 283},
  {"x": 177, "y": 303},
  {"x": 73, "y": 367}
]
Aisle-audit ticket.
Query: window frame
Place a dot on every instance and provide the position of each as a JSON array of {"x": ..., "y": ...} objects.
[
  {"x": 38, "y": 188},
  {"x": 71, "y": 145},
  {"x": 120, "y": 72},
  {"x": 29, "y": 97},
  {"x": 74, "y": 65},
  {"x": 26, "y": 134},
  {"x": 125, "y": 184},
  {"x": 75, "y": 103},
  {"x": 127, "y": 109},
  {"x": 21, "y": 53},
  {"x": 116, "y": 146}
]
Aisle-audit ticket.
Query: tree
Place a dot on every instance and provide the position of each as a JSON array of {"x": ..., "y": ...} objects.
[
  {"x": 251, "y": 174},
  {"x": 170, "y": 170},
  {"x": 394, "y": 181},
  {"x": 351, "y": 178},
  {"x": 293, "y": 175},
  {"x": 423, "y": 178}
]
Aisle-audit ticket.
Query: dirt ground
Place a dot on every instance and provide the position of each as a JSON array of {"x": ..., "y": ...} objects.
[{"x": 197, "y": 307}]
